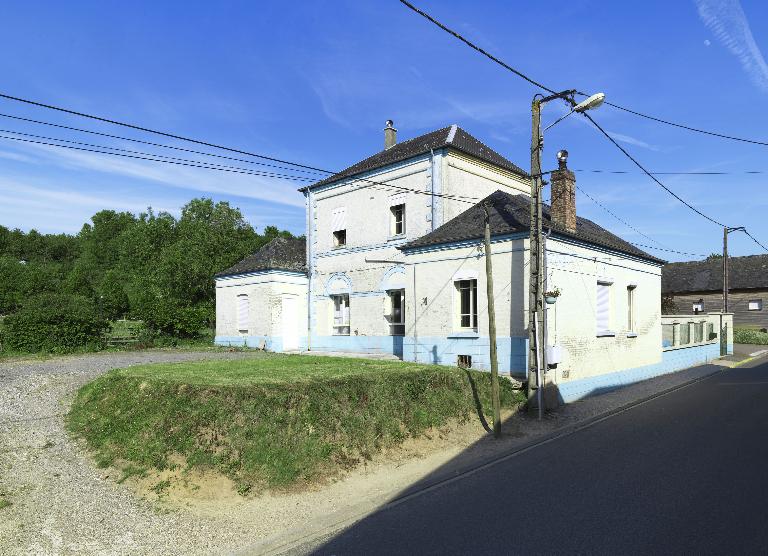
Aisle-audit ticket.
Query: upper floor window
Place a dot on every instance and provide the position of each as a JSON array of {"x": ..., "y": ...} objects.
[
  {"x": 339, "y": 238},
  {"x": 398, "y": 220},
  {"x": 339, "y": 226},
  {"x": 755, "y": 305},
  {"x": 467, "y": 296}
]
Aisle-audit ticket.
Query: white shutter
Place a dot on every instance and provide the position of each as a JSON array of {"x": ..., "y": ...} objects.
[
  {"x": 603, "y": 307},
  {"x": 243, "y": 308},
  {"x": 398, "y": 199},
  {"x": 339, "y": 219}
]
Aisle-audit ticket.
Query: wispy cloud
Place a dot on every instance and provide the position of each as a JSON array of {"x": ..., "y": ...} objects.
[
  {"x": 727, "y": 21},
  {"x": 629, "y": 140},
  {"x": 206, "y": 181}
]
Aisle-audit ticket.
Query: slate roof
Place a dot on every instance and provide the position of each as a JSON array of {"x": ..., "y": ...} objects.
[
  {"x": 451, "y": 136},
  {"x": 510, "y": 214},
  {"x": 279, "y": 254},
  {"x": 744, "y": 273}
]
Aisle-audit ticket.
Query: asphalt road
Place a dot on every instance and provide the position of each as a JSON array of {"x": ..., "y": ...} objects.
[{"x": 683, "y": 473}]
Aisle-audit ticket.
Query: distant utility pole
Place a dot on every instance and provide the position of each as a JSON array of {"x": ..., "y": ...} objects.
[
  {"x": 492, "y": 326},
  {"x": 726, "y": 231}
]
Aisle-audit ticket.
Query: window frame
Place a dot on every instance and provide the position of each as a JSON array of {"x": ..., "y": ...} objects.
[
  {"x": 631, "y": 309},
  {"x": 394, "y": 210},
  {"x": 343, "y": 328},
  {"x": 471, "y": 314},
  {"x": 396, "y": 327},
  {"x": 339, "y": 239},
  {"x": 243, "y": 313},
  {"x": 601, "y": 332}
]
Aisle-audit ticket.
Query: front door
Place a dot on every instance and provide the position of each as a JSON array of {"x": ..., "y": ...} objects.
[{"x": 290, "y": 328}]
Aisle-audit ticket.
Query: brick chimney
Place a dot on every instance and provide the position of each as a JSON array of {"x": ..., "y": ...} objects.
[
  {"x": 390, "y": 135},
  {"x": 563, "y": 208}
]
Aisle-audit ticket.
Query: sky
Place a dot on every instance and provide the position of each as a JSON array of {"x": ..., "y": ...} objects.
[{"x": 313, "y": 82}]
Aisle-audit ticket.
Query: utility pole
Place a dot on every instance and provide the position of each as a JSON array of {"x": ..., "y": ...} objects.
[
  {"x": 534, "y": 273},
  {"x": 726, "y": 231},
  {"x": 492, "y": 326},
  {"x": 725, "y": 269},
  {"x": 536, "y": 365}
]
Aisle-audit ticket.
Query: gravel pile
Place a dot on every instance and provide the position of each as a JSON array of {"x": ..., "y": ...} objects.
[{"x": 62, "y": 504}]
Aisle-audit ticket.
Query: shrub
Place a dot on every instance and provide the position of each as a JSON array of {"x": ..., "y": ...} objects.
[
  {"x": 53, "y": 323},
  {"x": 749, "y": 336}
]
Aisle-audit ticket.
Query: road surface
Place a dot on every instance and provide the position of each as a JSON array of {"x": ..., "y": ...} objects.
[{"x": 683, "y": 473}]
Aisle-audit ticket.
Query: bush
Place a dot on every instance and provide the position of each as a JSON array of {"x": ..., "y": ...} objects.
[
  {"x": 53, "y": 323},
  {"x": 749, "y": 336}
]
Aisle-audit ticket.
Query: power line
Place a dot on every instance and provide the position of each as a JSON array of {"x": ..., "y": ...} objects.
[
  {"x": 755, "y": 240},
  {"x": 544, "y": 87},
  {"x": 689, "y": 128},
  {"x": 164, "y": 134},
  {"x": 140, "y": 153},
  {"x": 150, "y": 143},
  {"x": 654, "y": 178},
  {"x": 205, "y": 143},
  {"x": 243, "y": 171}
]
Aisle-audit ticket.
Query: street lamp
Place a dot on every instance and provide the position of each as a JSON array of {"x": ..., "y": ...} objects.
[{"x": 536, "y": 314}]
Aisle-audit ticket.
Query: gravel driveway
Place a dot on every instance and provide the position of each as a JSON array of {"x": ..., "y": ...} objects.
[{"x": 61, "y": 504}]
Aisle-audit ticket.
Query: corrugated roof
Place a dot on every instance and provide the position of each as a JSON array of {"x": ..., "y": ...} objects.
[
  {"x": 510, "y": 214},
  {"x": 279, "y": 254},
  {"x": 452, "y": 136},
  {"x": 744, "y": 273}
]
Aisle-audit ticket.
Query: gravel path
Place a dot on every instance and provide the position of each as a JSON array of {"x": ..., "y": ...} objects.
[{"x": 61, "y": 504}]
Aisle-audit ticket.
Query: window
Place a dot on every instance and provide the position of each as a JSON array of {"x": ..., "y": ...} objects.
[
  {"x": 339, "y": 238},
  {"x": 631, "y": 308},
  {"x": 397, "y": 312},
  {"x": 398, "y": 219},
  {"x": 698, "y": 306},
  {"x": 339, "y": 226},
  {"x": 464, "y": 361},
  {"x": 467, "y": 290},
  {"x": 603, "y": 309},
  {"x": 340, "y": 314},
  {"x": 243, "y": 309},
  {"x": 755, "y": 305}
]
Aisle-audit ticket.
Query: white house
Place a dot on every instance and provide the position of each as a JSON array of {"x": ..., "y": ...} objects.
[{"x": 393, "y": 264}]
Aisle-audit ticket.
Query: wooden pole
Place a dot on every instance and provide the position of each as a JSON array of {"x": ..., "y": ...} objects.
[
  {"x": 492, "y": 327},
  {"x": 534, "y": 294}
]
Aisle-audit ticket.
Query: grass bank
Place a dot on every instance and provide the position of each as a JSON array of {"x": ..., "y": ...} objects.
[{"x": 272, "y": 420}]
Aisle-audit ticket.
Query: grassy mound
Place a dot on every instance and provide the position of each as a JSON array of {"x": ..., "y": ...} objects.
[{"x": 271, "y": 420}]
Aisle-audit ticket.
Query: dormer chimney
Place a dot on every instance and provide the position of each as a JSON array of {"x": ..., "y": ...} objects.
[
  {"x": 390, "y": 135},
  {"x": 563, "y": 209}
]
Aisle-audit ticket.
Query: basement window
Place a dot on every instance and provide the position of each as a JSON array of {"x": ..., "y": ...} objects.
[{"x": 464, "y": 361}]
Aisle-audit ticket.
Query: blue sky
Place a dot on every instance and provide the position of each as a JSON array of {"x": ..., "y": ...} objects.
[{"x": 314, "y": 82}]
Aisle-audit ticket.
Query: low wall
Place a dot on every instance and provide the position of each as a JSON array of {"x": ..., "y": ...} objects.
[{"x": 687, "y": 341}]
